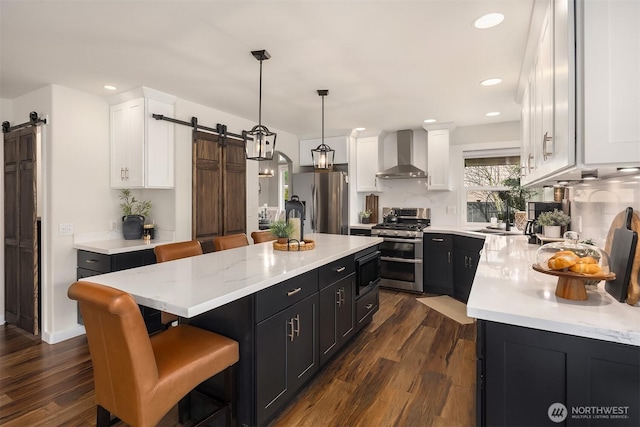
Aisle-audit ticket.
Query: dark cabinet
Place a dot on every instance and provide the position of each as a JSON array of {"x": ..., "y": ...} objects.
[
  {"x": 366, "y": 306},
  {"x": 438, "y": 263},
  {"x": 522, "y": 372},
  {"x": 337, "y": 316},
  {"x": 92, "y": 264},
  {"x": 287, "y": 355},
  {"x": 360, "y": 232},
  {"x": 466, "y": 254}
]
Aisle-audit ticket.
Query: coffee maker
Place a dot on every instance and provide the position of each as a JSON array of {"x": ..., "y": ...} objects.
[{"x": 534, "y": 209}]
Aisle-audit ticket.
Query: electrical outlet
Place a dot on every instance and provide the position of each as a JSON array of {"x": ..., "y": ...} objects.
[
  {"x": 113, "y": 226},
  {"x": 65, "y": 229},
  {"x": 452, "y": 210}
]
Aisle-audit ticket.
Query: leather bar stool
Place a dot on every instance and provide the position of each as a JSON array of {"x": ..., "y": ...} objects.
[
  {"x": 230, "y": 241},
  {"x": 262, "y": 236},
  {"x": 170, "y": 252},
  {"x": 140, "y": 378}
]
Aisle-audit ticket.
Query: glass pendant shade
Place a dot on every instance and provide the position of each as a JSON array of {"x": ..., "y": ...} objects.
[
  {"x": 323, "y": 155},
  {"x": 259, "y": 142},
  {"x": 265, "y": 171}
]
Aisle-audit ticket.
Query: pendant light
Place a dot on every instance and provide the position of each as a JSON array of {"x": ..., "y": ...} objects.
[
  {"x": 323, "y": 154},
  {"x": 259, "y": 142},
  {"x": 265, "y": 170}
]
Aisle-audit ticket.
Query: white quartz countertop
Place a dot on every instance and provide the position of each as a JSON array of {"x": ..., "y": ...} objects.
[
  {"x": 507, "y": 290},
  {"x": 112, "y": 242},
  {"x": 191, "y": 286}
]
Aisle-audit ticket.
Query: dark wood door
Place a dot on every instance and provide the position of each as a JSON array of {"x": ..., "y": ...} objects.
[
  {"x": 219, "y": 188},
  {"x": 20, "y": 232}
]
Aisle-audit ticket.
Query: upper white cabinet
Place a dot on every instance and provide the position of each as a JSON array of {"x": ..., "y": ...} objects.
[
  {"x": 609, "y": 67},
  {"x": 142, "y": 148},
  {"x": 438, "y": 159},
  {"x": 581, "y": 96},
  {"x": 548, "y": 137},
  {"x": 367, "y": 164},
  {"x": 338, "y": 143}
]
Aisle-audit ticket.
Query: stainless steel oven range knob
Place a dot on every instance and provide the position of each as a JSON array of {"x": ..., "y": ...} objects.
[{"x": 397, "y": 233}]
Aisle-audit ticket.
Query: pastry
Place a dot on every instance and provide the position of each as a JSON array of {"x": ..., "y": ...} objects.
[
  {"x": 587, "y": 260},
  {"x": 586, "y": 268},
  {"x": 562, "y": 260}
]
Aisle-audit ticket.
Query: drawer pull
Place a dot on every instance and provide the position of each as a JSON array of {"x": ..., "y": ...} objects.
[
  {"x": 341, "y": 269},
  {"x": 90, "y": 261},
  {"x": 293, "y": 292},
  {"x": 369, "y": 306},
  {"x": 297, "y": 328},
  {"x": 437, "y": 240},
  {"x": 339, "y": 299}
]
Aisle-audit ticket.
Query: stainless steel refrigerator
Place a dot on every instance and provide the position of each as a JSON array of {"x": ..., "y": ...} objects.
[{"x": 326, "y": 199}]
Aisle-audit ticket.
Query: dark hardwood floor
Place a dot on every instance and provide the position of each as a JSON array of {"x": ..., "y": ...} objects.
[{"x": 410, "y": 367}]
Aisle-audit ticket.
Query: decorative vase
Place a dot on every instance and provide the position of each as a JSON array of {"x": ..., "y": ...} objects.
[
  {"x": 551, "y": 230},
  {"x": 520, "y": 220},
  {"x": 132, "y": 227},
  {"x": 365, "y": 220}
]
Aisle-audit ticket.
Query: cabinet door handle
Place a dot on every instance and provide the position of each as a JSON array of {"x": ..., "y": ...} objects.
[
  {"x": 290, "y": 322},
  {"x": 429, "y": 179},
  {"x": 470, "y": 262},
  {"x": 466, "y": 261},
  {"x": 449, "y": 257},
  {"x": 343, "y": 293},
  {"x": 546, "y": 153},
  {"x": 437, "y": 240},
  {"x": 90, "y": 261},
  {"x": 369, "y": 306},
  {"x": 339, "y": 300},
  {"x": 341, "y": 269},
  {"x": 121, "y": 174},
  {"x": 293, "y": 292},
  {"x": 297, "y": 329},
  {"x": 529, "y": 162}
]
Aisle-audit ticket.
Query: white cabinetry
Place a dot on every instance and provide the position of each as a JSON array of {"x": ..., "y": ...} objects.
[
  {"x": 142, "y": 148},
  {"x": 610, "y": 59},
  {"x": 548, "y": 139},
  {"x": 438, "y": 159},
  {"x": 337, "y": 143},
  {"x": 367, "y": 164}
]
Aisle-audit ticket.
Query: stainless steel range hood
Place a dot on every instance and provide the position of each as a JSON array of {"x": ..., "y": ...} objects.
[{"x": 405, "y": 168}]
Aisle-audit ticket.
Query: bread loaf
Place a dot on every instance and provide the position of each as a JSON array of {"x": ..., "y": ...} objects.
[
  {"x": 586, "y": 268},
  {"x": 562, "y": 260},
  {"x": 587, "y": 260}
]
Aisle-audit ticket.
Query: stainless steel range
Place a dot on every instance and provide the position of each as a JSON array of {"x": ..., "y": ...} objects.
[{"x": 401, "y": 250}]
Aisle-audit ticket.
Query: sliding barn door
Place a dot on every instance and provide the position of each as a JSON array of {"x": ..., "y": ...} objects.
[
  {"x": 219, "y": 188},
  {"x": 20, "y": 234}
]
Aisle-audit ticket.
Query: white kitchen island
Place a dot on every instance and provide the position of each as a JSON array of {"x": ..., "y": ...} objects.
[
  {"x": 544, "y": 360},
  {"x": 289, "y": 311}
]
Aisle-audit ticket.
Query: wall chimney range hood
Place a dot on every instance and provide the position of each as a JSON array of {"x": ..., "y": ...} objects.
[{"x": 405, "y": 168}]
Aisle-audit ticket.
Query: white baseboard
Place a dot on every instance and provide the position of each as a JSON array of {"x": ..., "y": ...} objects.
[{"x": 63, "y": 335}]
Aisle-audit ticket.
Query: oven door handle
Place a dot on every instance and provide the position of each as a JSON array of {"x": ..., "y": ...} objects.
[
  {"x": 388, "y": 239},
  {"x": 405, "y": 260}
]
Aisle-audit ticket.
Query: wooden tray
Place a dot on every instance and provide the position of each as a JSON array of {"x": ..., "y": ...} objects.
[
  {"x": 294, "y": 246},
  {"x": 571, "y": 285}
]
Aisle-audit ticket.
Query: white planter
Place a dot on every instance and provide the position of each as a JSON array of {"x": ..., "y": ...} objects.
[{"x": 551, "y": 230}]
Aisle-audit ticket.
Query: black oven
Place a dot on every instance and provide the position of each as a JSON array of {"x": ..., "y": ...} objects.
[{"x": 367, "y": 272}]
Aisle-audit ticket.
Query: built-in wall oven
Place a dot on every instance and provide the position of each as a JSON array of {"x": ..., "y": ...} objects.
[{"x": 401, "y": 252}]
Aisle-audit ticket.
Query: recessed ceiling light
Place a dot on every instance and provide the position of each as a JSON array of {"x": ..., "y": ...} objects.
[
  {"x": 488, "y": 21},
  {"x": 491, "y": 82},
  {"x": 493, "y": 114},
  {"x": 110, "y": 87},
  {"x": 360, "y": 129},
  {"x": 628, "y": 169},
  {"x": 430, "y": 121}
]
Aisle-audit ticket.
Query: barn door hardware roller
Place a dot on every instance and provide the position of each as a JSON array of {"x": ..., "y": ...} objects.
[{"x": 34, "y": 120}]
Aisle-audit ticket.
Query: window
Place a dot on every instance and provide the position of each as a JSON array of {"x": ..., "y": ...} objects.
[{"x": 487, "y": 174}]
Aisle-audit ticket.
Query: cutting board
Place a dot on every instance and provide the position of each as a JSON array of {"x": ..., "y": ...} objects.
[
  {"x": 624, "y": 257},
  {"x": 372, "y": 205}
]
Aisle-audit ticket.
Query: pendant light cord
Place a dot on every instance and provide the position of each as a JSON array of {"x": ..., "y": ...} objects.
[{"x": 260, "y": 98}]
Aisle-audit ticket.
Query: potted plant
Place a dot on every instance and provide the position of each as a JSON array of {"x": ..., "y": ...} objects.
[
  {"x": 552, "y": 222},
  {"x": 282, "y": 229},
  {"x": 133, "y": 215},
  {"x": 516, "y": 198},
  {"x": 364, "y": 216}
]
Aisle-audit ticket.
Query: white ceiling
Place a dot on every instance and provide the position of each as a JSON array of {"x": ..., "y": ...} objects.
[{"x": 388, "y": 65}]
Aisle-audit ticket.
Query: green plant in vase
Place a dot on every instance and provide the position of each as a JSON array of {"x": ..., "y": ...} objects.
[
  {"x": 282, "y": 230},
  {"x": 133, "y": 215},
  {"x": 364, "y": 216},
  {"x": 552, "y": 221}
]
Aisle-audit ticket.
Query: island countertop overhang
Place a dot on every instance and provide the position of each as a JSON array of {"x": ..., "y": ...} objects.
[{"x": 191, "y": 286}]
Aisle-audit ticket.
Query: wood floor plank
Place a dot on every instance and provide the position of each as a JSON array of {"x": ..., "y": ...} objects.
[{"x": 411, "y": 366}]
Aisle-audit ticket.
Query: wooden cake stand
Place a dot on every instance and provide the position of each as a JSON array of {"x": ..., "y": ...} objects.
[{"x": 571, "y": 285}]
